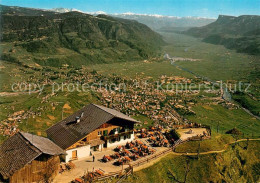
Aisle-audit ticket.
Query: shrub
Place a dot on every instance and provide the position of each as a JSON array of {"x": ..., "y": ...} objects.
[
  {"x": 234, "y": 131},
  {"x": 175, "y": 135}
]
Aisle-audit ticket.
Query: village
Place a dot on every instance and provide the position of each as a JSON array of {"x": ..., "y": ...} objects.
[{"x": 139, "y": 98}]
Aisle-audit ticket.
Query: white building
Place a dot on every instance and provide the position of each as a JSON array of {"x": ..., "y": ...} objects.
[{"x": 93, "y": 128}]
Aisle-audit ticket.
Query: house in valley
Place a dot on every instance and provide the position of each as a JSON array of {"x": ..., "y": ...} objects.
[
  {"x": 92, "y": 128},
  {"x": 28, "y": 158}
]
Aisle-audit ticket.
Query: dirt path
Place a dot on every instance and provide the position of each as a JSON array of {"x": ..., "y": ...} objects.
[
  {"x": 4, "y": 94},
  {"x": 212, "y": 152},
  {"x": 189, "y": 154}
]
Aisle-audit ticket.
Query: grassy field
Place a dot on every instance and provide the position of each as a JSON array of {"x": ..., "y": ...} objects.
[
  {"x": 216, "y": 143},
  {"x": 140, "y": 69},
  {"x": 248, "y": 102},
  {"x": 217, "y": 62},
  {"x": 237, "y": 164},
  {"x": 145, "y": 121},
  {"x": 226, "y": 118}
]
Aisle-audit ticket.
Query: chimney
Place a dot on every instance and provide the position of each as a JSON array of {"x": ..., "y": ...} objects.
[{"x": 77, "y": 119}]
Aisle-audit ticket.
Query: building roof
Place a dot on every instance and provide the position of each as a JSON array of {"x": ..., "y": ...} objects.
[
  {"x": 96, "y": 142},
  {"x": 68, "y": 131},
  {"x": 45, "y": 145},
  {"x": 21, "y": 149}
]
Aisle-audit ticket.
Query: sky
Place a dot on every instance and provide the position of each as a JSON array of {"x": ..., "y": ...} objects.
[{"x": 180, "y": 8}]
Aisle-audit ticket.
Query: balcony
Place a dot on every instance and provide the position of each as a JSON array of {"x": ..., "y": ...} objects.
[{"x": 116, "y": 135}]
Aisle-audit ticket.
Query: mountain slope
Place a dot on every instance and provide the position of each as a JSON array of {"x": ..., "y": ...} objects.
[
  {"x": 240, "y": 33},
  {"x": 74, "y": 38}
]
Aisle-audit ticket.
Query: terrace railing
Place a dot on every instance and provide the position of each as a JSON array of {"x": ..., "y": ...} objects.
[
  {"x": 152, "y": 157},
  {"x": 122, "y": 174},
  {"x": 116, "y": 135},
  {"x": 129, "y": 170}
]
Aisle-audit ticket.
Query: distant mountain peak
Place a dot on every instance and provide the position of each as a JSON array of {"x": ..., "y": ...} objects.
[
  {"x": 241, "y": 33},
  {"x": 156, "y": 22},
  {"x": 65, "y": 10},
  {"x": 226, "y": 16},
  {"x": 149, "y": 15},
  {"x": 159, "y": 16}
]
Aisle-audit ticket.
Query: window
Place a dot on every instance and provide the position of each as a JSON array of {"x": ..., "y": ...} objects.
[
  {"x": 115, "y": 131},
  {"x": 105, "y": 132},
  {"x": 99, "y": 133}
]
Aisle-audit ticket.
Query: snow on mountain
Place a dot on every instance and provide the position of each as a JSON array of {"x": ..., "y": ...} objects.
[
  {"x": 65, "y": 10},
  {"x": 154, "y": 21}
]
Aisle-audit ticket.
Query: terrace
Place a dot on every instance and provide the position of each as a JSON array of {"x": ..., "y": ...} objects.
[{"x": 87, "y": 165}]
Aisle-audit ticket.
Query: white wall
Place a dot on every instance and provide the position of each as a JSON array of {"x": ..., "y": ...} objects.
[
  {"x": 121, "y": 142},
  {"x": 82, "y": 152},
  {"x": 100, "y": 147}
]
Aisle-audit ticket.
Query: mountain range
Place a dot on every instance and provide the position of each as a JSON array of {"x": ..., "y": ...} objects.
[
  {"x": 154, "y": 21},
  {"x": 159, "y": 22},
  {"x": 241, "y": 33},
  {"x": 74, "y": 38}
]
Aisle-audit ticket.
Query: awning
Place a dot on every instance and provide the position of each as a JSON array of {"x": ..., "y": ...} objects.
[{"x": 96, "y": 142}]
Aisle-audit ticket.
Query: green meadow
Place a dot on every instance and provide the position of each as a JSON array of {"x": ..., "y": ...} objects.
[
  {"x": 140, "y": 69},
  {"x": 221, "y": 167}
]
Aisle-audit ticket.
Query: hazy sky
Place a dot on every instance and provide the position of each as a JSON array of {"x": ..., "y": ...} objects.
[{"x": 201, "y": 8}]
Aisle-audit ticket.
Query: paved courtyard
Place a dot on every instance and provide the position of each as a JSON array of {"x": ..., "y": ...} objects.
[
  {"x": 195, "y": 132},
  {"x": 87, "y": 164}
]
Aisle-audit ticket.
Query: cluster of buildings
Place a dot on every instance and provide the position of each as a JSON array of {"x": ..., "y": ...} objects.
[
  {"x": 158, "y": 105},
  {"x": 10, "y": 126},
  {"x": 145, "y": 99},
  {"x": 154, "y": 104}
]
